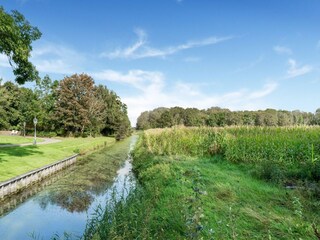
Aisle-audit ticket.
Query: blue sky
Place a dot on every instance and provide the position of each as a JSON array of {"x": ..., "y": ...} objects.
[{"x": 241, "y": 55}]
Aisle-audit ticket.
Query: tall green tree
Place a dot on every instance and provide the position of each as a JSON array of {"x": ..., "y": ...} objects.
[
  {"x": 45, "y": 91},
  {"x": 9, "y": 104},
  {"x": 74, "y": 95},
  {"x": 143, "y": 121},
  {"x": 16, "y": 36}
]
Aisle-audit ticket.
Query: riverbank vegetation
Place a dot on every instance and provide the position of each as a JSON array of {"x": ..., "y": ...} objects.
[
  {"x": 18, "y": 160},
  {"x": 220, "y": 183}
]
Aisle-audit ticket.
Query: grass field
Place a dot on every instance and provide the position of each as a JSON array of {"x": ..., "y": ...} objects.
[
  {"x": 18, "y": 160},
  {"x": 4, "y": 140},
  {"x": 191, "y": 189}
]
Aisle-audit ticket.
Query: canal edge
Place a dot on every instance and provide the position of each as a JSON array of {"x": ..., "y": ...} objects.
[{"x": 16, "y": 184}]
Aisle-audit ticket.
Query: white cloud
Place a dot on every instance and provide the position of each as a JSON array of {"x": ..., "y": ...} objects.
[
  {"x": 55, "y": 58},
  {"x": 142, "y": 80},
  {"x": 129, "y": 51},
  {"x": 52, "y": 58},
  {"x": 295, "y": 71},
  {"x": 140, "y": 49},
  {"x": 152, "y": 92},
  {"x": 282, "y": 50},
  {"x": 266, "y": 90},
  {"x": 187, "y": 88}
]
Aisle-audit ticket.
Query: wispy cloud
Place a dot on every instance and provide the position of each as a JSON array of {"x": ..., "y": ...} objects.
[
  {"x": 142, "y": 80},
  {"x": 55, "y": 58},
  {"x": 141, "y": 49},
  {"x": 295, "y": 70},
  {"x": 282, "y": 50},
  {"x": 266, "y": 90},
  {"x": 152, "y": 91}
]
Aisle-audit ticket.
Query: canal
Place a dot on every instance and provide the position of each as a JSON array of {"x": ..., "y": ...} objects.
[{"x": 62, "y": 203}]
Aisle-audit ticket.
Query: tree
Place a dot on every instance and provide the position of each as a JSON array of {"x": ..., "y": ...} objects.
[
  {"x": 74, "y": 95},
  {"x": 9, "y": 102},
  {"x": 114, "y": 118},
  {"x": 317, "y": 117},
  {"x": 5, "y": 108},
  {"x": 46, "y": 94},
  {"x": 16, "y": 36},
  {"x": 194, "y": 117},
  {"x": 284, "y": 118},
  {"x": 143, "y": 121},
  {"x": 29, "y": 107},
  {"x": 165, "y": 120}
]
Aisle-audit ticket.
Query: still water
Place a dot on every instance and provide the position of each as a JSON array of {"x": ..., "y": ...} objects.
[{"x": 64, "y": 202}]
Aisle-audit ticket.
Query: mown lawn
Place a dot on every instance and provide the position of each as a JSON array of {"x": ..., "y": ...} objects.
[
  {"x": 4, "y": 140},
  {"x": 18, "y": 160}
]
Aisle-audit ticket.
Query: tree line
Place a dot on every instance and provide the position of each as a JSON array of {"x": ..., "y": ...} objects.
[
  {"x": 220, "y": 117},
  {"x": 73, "y": 106}
]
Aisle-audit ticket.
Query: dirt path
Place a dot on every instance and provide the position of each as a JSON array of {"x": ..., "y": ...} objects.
[{"x": 45, "y": 141}]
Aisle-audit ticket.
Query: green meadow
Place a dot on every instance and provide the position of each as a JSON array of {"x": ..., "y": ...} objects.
[{"x": 219, "y": 183}]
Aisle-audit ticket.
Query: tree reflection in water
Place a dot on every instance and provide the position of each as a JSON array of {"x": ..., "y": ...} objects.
[{"x": 91, "y": 177}]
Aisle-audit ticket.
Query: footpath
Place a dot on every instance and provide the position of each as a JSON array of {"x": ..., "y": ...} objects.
[{"x": 45, "y": 141}]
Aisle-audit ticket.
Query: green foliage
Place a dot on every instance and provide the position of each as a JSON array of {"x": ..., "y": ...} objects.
[
  {"x": 219, "y": 117},
  {"x": 16, "y": 36},
  {"x": 73, "y": 107},
  {"x": 278, "y": 153},
  {"x": 185, "y": 141},
  {"x": 183, "y": 197},
  {"x": 73, "y": 101}
]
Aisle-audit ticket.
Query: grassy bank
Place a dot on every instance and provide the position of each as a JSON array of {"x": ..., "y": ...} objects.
[
  {"x": 18, "y": 160},
  {"x": 190, "y": 188}
]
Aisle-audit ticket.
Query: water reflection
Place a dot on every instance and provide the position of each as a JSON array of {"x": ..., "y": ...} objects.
[
  {"x": 14, "y": 201},
  {"x": 63, "y": 202},
  {"x": 76, "y": 191}
]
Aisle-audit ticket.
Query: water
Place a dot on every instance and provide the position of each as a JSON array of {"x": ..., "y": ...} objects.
[{"x": 63, "y": 203}]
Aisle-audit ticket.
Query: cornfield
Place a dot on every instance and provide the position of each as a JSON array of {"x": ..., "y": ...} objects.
[{"x": 238, "y": 144}]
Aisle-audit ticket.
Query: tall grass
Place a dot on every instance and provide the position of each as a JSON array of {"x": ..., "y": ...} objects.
[
  {"x": 289, "y": 145},
  {"x": 292, "y": 150},
  {"x": 204, "y": 197},
  {"x": 185, "y": 141}
]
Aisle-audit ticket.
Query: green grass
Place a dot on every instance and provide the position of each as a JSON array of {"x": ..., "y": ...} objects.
[
  {"x": 283, "y": 154},
  {"x": 209, "y": 198},
  {"x": 4, "y": 140},
  {"x": 190, "y": 189},
  {"x": 18, "y": 160}
]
